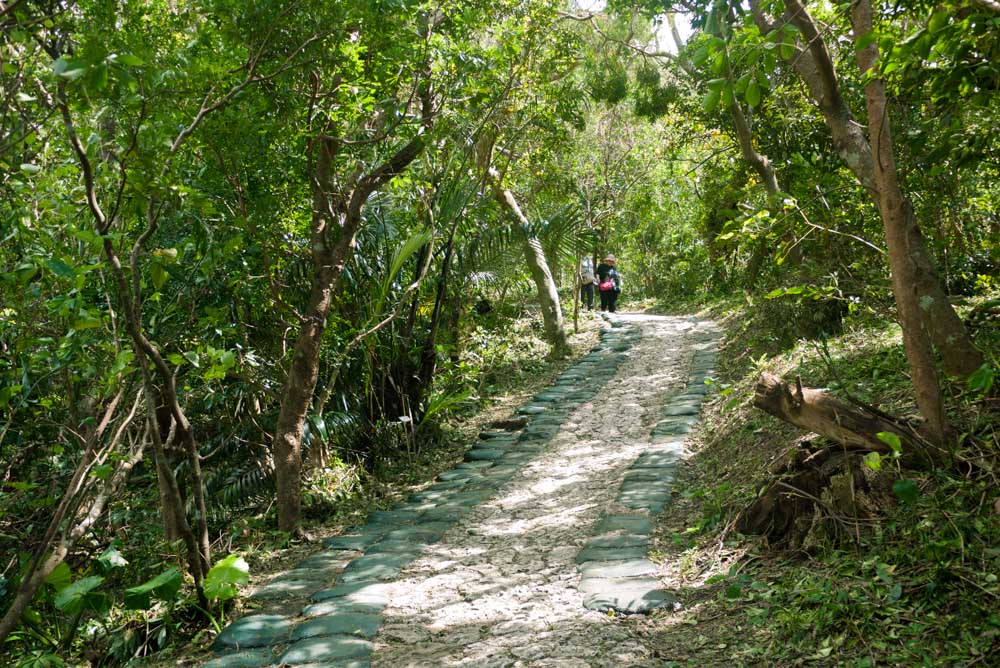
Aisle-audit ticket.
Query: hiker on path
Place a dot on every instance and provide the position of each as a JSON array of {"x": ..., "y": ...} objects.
[
  {"x": 587, "y": 282},
  {"x": 609, "y": 283}
]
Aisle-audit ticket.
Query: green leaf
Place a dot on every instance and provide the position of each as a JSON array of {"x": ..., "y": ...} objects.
[
  {"x": 60, "y": 577},
  {"x": 111, "y": 558},
  {"x": 192, "y": 357},
  {"x": 937, "y": 21},
  {"x": 163, "y": 588},
  {"x": 81, "y": 596},
  {"x": 873, "y": 460},
  {"x": 159, "y": 275},
  {"x": 60, "y": 268},
  {"x": 982, "y": 379},
  {"x": 906, "y": 490},
  {"x": 753, "y": 94},
  {"x": 220, "y": 583},
  {"x": 28, "y": 168},
  {"x": 712, "y": 100},
  {"x": 865, "y": 40},
  {"x": 130, "y": 60},
  {"x": 890, "y": 439}
]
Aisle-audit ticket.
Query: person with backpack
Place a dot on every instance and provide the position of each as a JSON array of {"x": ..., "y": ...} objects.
[{"x": 609, "y": 283}]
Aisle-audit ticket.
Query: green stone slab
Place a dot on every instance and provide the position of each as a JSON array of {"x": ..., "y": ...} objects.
[
  {"x": 672, "y": 428},
  {"x": 459, "y": 474},
  {"x": 590, "y": 554},
  {"x": 337, "y": 606},
  {"x": 348, "y": 624},
  {"x": 652, "y": 501},
  {"x": 391, "y": 518},
  {"x": 327, "y": 649},
  {"x": 531, "y": 409},
  {"x": 649, "y": 476},
  {"x": 504, "y": 471},
  {"x": 447, "y": 512},
  {"x": 395, "y": 547},
  {"x": 483, "y": 455},
  {"x": 255, "y": 631},
  {"x": 474, "y": 465},
  {"x": 624, "y": 540},
  {"x": 252, "y": 658},
  {"x": 376, "y": 567},
  {"x": 358, "y": 592},
  {"x": 630, "y": 568},
  {"x": 655, "y": 460},
  {"x": 630, "y": 602},
  {"x": 603, "y": 585},
  {"x": 322, "y": 560},
  {"x": 426, "y": 532},
  {"x": 682, "y": 409},
  {"x": 634, "y": 524},
  {"x": 283, "y": 589},
  {"x": 351, "y": 541},
  {"x": 446, "y": 486}
]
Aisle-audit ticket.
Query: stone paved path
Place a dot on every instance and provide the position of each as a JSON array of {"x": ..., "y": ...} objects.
[{"x": 484, "y": 568}]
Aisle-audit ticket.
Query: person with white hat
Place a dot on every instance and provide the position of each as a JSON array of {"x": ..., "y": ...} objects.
[{"x": 609, "y": 283}]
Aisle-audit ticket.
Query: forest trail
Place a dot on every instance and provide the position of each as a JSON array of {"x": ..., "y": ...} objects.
[{"x": 515, "y": 556}]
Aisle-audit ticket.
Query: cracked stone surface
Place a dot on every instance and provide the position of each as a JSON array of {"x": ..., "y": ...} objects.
[{"x": 513, "y": 556}]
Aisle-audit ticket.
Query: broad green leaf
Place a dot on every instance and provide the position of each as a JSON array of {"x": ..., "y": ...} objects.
[
  {"x": 60, "y": 268},
  {"x": 60, "y": 577},
  {"x": 712, "y": 100},
  {"x": 158, "y": 274},
  {"x": 937, "y": 21},
  {"x": 890, "y": 439},
  {"x": 163, "y": 588},
  {"x": 220, "y": 582},
  {"x": 982, "y": 379},
  {"x": 81, "y": 596},
  {"x": 906, "y": 490},
  {"x": 753, "y": 94},
  {"x": 130, "y": 60},
  {"x": 873, "y": 460},
  {"x": 28, "y": 168}
]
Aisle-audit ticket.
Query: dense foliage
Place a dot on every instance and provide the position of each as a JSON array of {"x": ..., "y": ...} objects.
[{"x": 254, "y": 254}]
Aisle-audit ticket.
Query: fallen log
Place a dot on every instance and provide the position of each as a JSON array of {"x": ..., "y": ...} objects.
[
  {"x": 823, "y": 491},
  {"x": 853, "y": 427}
]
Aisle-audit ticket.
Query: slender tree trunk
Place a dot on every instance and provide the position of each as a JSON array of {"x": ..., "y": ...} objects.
[
  {"x": 815, "y": 67},
  {"x": 902, "y": 237},
  {"x": 534, "y": 256},
  {"x": 335, "y": 225}
]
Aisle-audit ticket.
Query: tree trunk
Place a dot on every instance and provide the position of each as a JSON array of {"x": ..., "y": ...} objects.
[
  {"x": 534, "y": 256},
  {"x": 331, "y": 215},
  {"x": 902, "y": 236},
  {"x": 815, "y": 67}
]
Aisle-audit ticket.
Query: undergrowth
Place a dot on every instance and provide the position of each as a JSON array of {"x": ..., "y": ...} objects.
[{"x": 916, "y": 586}]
